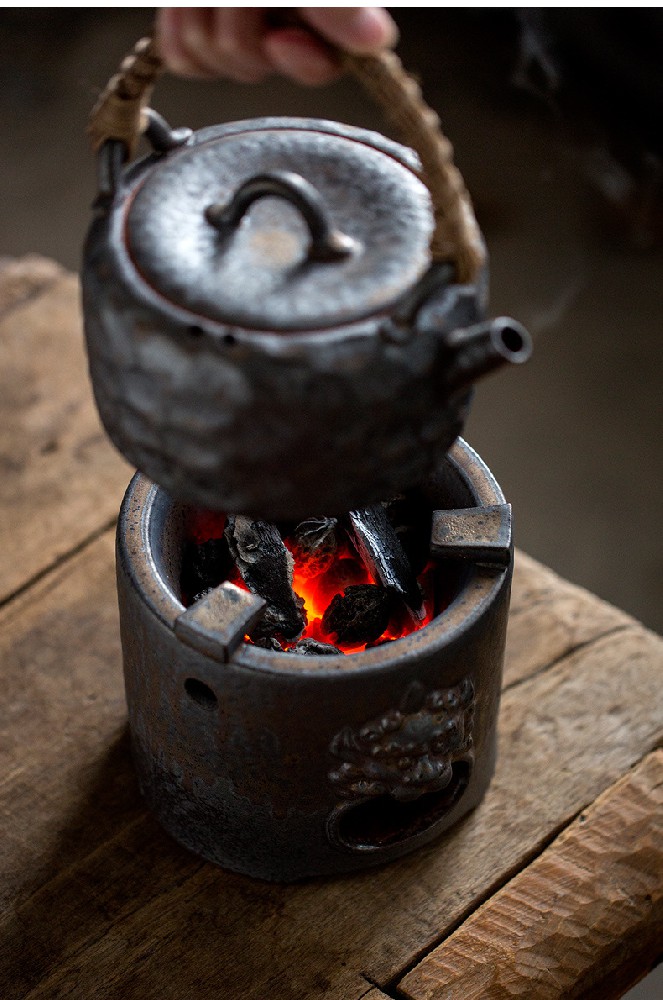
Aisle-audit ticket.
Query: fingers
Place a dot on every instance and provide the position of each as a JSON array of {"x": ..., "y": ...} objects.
[
  {"x": 213, "y": 41},
  {"x": 236, "y": 42},
  {"x": 295, "y": 53},
  {"x": 356, "y": 29},
  {"x": 304, "y": 56},
  {"x": 173, "y": 30}
]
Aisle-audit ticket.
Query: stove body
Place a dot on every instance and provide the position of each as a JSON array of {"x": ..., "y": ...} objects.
[{"x": 283, "y": 766}]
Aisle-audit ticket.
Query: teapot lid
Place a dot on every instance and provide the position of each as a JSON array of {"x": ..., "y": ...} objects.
[{"x": 282, "y": 225}]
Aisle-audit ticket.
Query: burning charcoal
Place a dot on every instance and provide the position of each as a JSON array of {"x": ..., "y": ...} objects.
[
  {"x": 316, "y": 543},
  {"x": 347, "y": 571},
  {"x": 266, "y": 567},
  {"x": 268, "y": 642},
  {"x": 410, "y": 516},
  {"x": 311, "y": 647},
  {"x": 204, "y": 566},
  {"x": 382, "y": 553},
  {"x": 361, "y": 615}
]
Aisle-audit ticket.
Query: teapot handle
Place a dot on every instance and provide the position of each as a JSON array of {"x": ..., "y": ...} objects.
[{"x": 121, "y": 115}]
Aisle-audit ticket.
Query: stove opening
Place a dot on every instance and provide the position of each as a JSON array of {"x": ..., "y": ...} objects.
[{"x": 383, "y": 821}]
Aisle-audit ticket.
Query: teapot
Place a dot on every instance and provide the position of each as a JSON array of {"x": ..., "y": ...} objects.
[{"x": 284, "y": 316}]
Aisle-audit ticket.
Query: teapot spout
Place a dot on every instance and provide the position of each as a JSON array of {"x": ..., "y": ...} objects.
[{"x": 478, "y": 350}]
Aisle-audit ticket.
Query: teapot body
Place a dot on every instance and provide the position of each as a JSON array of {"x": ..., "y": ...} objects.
[{"x": 338, "y": 407}]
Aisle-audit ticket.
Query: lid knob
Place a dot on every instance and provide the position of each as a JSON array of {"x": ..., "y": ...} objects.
[{"x": 327, "y": 244}]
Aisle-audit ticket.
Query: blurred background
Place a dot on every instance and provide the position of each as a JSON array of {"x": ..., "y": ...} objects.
[{"x": 555, "y": 117}]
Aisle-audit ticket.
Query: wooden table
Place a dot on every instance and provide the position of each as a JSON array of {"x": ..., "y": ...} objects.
[{"x": 552, "y": 888}]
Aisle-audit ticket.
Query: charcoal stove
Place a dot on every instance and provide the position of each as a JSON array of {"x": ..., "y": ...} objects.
[
  {"x": 284, "y": 321},
  {"x": 280, "y": 765}
]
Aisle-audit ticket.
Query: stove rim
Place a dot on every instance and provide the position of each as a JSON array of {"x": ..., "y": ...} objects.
[{"x": 134, "y": 551}]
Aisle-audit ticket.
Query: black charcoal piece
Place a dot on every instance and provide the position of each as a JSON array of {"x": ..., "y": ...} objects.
[
  {"x": 311, "y": 647},
  {"x": 205, "y": 565},
  {"x": 360, "y": 615},
  {"x": 316, "y": 543},
  {"x": 410, "y": 516},
  {"x": 381, "y": 552},
  {"x": 268, "y": 642},
  {"x": 266, "y": 566},
  {"x": 199, "y": 596}
]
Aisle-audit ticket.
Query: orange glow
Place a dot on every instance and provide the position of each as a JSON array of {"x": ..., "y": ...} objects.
[
  {"x": 319, "y": 588},
  {"x": 201, "y": 525},
  {"x": 318, "y": 580},
  {"x": 347, "y": 570}
]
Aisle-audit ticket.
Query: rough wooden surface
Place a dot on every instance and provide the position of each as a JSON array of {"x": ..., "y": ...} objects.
[
  {"x": 25, "y": 279},
  {"x": 97, "y": 902},
  {"x": 550, "y": 618},
  {"x": 60, "y": 481},
  {"x": 580, "y": 921}
]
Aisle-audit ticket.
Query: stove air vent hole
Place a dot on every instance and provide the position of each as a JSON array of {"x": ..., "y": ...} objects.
[
  {"x": 383, "y": 822},
  {"x": 200, "y": 693}
]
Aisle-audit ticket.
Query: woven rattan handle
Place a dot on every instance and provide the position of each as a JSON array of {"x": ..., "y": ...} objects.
[{"x": 119, "y": 115}]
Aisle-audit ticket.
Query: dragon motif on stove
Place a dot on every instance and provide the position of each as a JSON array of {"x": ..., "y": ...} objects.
[{"x": 408, "y": 751}]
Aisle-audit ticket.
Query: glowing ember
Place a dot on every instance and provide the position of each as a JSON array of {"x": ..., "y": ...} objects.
[
  {"x": 318, "y": 581},
  {"x": 204, "y": 524}
]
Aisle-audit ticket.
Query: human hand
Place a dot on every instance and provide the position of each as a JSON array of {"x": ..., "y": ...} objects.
[{"x": 240, "y": 43}]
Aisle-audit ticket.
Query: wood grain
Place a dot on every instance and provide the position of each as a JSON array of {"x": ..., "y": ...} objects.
[
  {"x": 582, "y": 921},
  {"x": 98, "y": 902},
  {"x": 549, "y": 618},
  {"x": 60, "y": 479},
  {"x": 24, "y": 278}
]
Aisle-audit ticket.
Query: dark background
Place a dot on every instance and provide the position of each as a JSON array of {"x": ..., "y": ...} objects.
[{"x": 555, "y": 116}]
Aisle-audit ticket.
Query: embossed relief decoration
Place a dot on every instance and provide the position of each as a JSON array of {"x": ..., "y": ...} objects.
[{"x": 410, "y": 750}]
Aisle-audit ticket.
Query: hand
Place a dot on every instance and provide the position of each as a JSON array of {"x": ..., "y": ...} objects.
[{"x": 240, "y": 43}]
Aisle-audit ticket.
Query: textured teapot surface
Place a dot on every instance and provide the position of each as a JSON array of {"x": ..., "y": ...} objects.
[{"x": 264, "y": 269}]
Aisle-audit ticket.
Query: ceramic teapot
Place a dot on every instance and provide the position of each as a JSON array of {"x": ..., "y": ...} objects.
[{"x": 284, "y": 316}]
